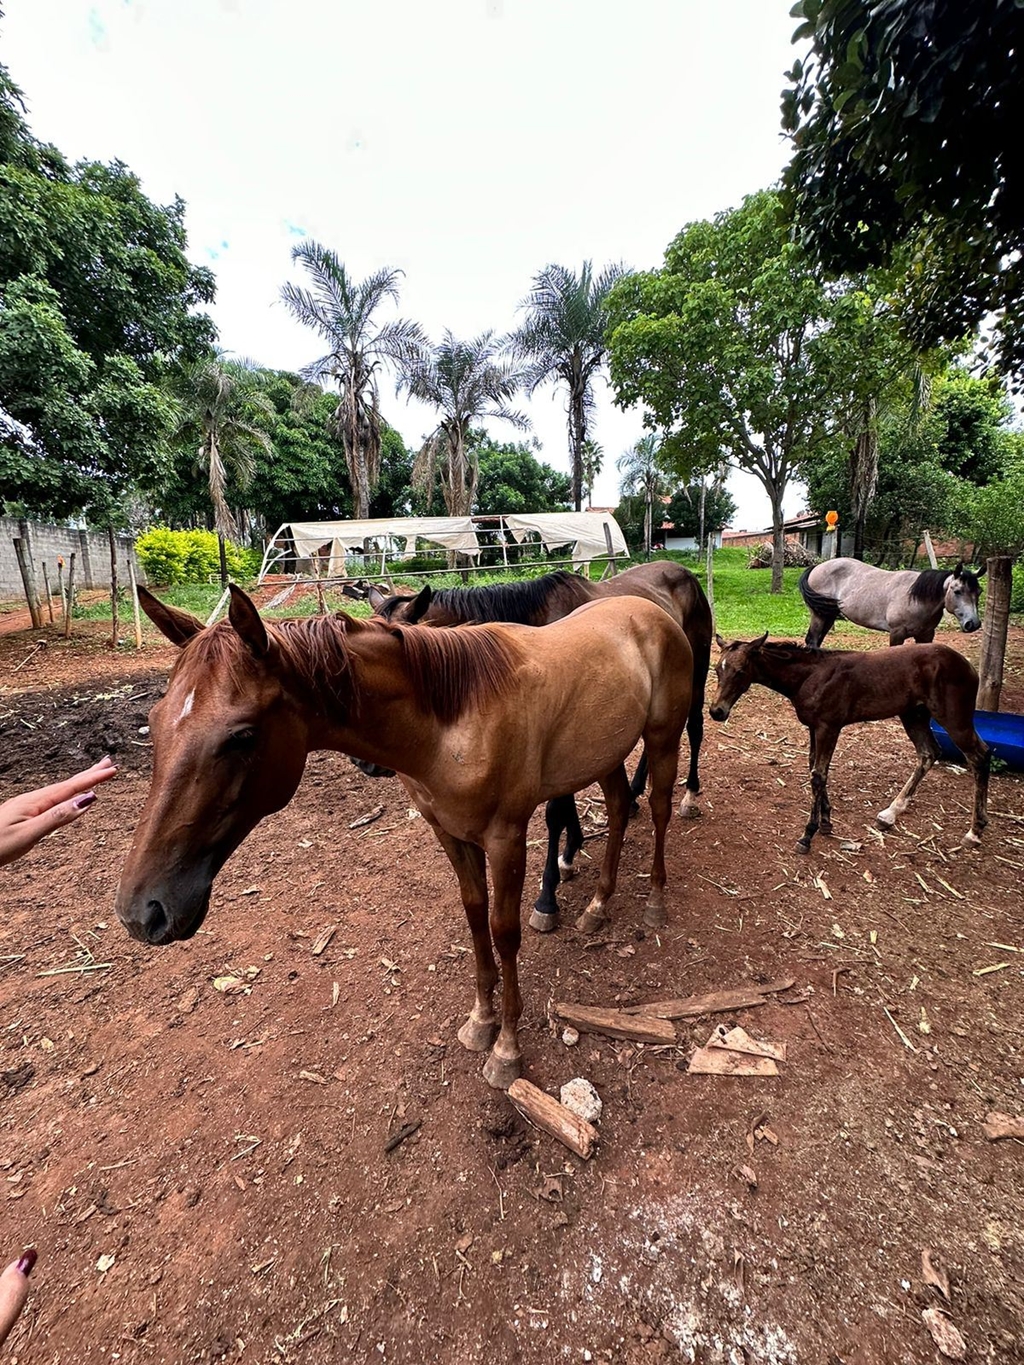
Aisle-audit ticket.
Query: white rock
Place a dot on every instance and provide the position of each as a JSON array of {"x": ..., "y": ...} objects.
[
  {"x": 581, "y": 1097},
  {"x": 570, "y": 1037}
]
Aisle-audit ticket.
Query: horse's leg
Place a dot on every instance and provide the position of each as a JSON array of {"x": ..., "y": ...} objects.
[
  {"x": 508, "y": 869},
  {"x": 478, "y": 1032},
  {"x": 639, "y": 782},
  {"x": 559, "y": 814},
  {"x": 695, "y": 731},
  {"x": 664, "y": 766},
  {"x": 573, "y": 840},
  {"x": 915, "y": 722},
  {"x": 818, "y": 629},
  {"x": 616, "y": 795},
  {"x": 925, "y": 637},
  {"x": 823, "y": 743},
  {"x": 898, "y": 637},
  {"x": 979, "y": 758}
]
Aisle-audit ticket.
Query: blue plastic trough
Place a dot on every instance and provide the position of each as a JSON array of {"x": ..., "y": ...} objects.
[{"x": 1002, "y": 731}]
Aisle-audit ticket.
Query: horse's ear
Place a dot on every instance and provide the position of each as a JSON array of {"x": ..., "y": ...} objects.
[
  {"x": 178, "y": 626},
  {"x": 719, "y": 641},
  {"x": 756, "y": 644},
  {"x": 246, "y": 620},
  {"x": 419, "y": 604},
  {"x": 981, "y": 571},
  {"x": 958, "y": 571},
  {"x": 376, "y": 596}
]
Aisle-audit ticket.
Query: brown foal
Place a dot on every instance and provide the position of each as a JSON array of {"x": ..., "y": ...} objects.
[
  {"x": 482, "y": 724},
  {"x": 831, "y": 689}
]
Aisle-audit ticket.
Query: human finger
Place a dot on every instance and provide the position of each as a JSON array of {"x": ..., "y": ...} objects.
[
  {"x": 58, "y": 792},
  {"x": 14, "y": 1291}
]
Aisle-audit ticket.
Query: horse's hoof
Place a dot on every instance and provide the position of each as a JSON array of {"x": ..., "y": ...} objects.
[
  {"x": 544, "y": 921},
  {"x": 886, "y": 818},
  {"x": 566, "y": 871},
  {"x": 655, "y": 918},
  {"x": 591, "y": 923},
  {"x": 634, "y": 810},
  {"x": 500, "y": 1072},
  {"x": 825, "y": 829},
  {"x": 971, "y": 839},
  {"x": 477, "y": 1035},
  {"x": 689, "y": 810},
  {"x": 803, "y": 846}
]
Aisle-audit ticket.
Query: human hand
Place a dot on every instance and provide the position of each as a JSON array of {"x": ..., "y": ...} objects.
[
  {"x": 25, "y": 819},
  {"x": 14, "y": 1291}
]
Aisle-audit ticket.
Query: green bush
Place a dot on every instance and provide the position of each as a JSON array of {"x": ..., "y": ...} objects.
[
  {"x": 170, "y": 557},
  {"x": 1017, "y": 591}
]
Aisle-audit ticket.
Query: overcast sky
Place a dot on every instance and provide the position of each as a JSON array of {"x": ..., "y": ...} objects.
[{"x": 467, "y": 142}]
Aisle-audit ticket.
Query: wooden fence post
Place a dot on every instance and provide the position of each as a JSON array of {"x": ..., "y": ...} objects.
[
  {"x": 135, "y": 603},
  {"x": 929, "y": 549},
  {"x": 998, "y": 590},
  {"x": 31, "y": 597},
  {"x": 70, "y": 605},
  {"x": 49, "y": 595}
]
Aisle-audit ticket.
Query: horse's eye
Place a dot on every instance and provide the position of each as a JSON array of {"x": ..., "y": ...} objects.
[{"x": 240, "y": 740}]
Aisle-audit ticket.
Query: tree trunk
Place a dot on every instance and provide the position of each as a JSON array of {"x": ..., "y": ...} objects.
[
  {"x": 864, "y": 472},
  {"x": 703, "y": 504},
  {"x": 778, "y": 540},
  {"x": 993, "y": 630},
  {"x": 647, "y": 523},
  {"x": 112, "y": 541},
  {"x": 577, "y": 435},
  {"x": 222, "y": 549}
]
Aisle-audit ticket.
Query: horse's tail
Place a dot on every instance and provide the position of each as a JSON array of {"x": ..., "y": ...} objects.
[{"x": 823, "y": 606}]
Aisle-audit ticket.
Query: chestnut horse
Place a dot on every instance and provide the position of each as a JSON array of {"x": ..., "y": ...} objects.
[
  {"x": 482, "y": 724},
  {"x": 833, "y": 688},
  {"x": 539, "y": 601}
]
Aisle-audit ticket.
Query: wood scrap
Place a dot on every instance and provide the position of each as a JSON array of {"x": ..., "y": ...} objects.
[
  {"x": 946, "y": 1337},
  {"x": 406, "y": 1131},
  {"x": 999, "y": 1125},
  {"x": 545, "y": 1112},
  {"x": 717, "y": 1002},
  {"x": 714, "y": 1061},
  {"x": 367, "y": 819},
  {"x": 738, "y": 1040},
  {"x": 634, "y": 1027}
]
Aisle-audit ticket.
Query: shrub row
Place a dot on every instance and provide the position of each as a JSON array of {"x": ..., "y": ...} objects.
[{"x": 171, "y": 557}]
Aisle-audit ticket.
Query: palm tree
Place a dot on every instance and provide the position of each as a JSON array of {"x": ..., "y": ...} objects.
[
  {"x": 563, "y": 341},
  {"x": 222, "y": 407},
  {"x": 342, "y": 311},
  {"x": 467, "y": 384},
  {"x": 643, "y": 477}
]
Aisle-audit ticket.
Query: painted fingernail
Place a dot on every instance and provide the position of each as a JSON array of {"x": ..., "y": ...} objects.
[
  {"x": 27, "y": 1261},
  {"x": 86, "y": 799}
]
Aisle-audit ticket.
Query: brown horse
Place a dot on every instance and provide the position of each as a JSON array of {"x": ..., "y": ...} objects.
[
  {"x": 538, "y": 602},
  {"x": 834, "y": 688},
  {"x": 483, "y": 724}
]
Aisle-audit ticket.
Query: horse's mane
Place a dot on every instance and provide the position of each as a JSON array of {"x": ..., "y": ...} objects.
[
  {"x": 449, "y": 671},
  {"x": 786, "y": 649},
  {"x": 930, "y": 584},
  {"x": 524, "y": 603}
]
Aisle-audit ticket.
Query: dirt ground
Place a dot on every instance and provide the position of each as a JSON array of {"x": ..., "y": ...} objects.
[{"x": 205, "y": 1175}]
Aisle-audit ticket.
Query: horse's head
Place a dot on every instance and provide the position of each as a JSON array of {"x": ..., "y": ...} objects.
[
  {"x": 402, "y": 608},
  {"x": 735, "y": 673},
  {"x": 229, "y": 747},
  {"x": 963, "y": 589}
]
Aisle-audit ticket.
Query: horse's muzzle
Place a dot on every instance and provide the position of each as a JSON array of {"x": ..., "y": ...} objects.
[
  {"x": 719, "y": 712},
  {"x": 155, "y": 919},
  {"x": 971, "y": 626}
]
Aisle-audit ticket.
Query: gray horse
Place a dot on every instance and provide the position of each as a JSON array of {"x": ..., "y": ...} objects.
[{"x": 907, "y": 604}]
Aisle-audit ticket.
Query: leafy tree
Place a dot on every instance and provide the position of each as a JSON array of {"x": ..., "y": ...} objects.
[
  {"x": 563, "y": 342},
  {"x": 725, "y": 347},
  {"x": 512, "y": 479},
  {"x": 970, "y": 417},
  {"x": 225, "y": 415},
  {"x": 905, "y": 120},
  {"x": 593, "y": 460},
  {"x": 342, "y": 311},
  {"x": 467, "y": 384},
  {"x": 684, "y": 511},
  {"x": 645, "y": 481},
  {"x": 97, "y": 303}
]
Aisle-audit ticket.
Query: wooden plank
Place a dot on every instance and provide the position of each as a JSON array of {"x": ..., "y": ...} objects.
[
  {"x": 718, "y": 1002},
  {"x": 545, "y": 1112},
  {"x": 636, "y": 1028}
]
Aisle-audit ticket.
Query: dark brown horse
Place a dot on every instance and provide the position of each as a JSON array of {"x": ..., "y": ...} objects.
[
  {"x": 831, "y": 689},
  {"x": 483, "y": 724},
  {"x": 539, "y": 601}
]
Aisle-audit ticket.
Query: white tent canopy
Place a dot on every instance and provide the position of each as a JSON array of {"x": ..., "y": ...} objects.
[{"x": 589, "y": 533}]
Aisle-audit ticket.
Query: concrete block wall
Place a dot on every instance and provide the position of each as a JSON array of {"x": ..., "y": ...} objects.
[{"x": 90, "y": 548}]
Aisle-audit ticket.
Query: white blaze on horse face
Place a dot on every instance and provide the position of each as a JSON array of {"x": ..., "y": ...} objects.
[{"x": 186, "y": 710}]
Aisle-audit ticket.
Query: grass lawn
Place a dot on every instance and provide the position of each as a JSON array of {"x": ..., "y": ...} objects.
[{"x": 744, "y": 606}]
